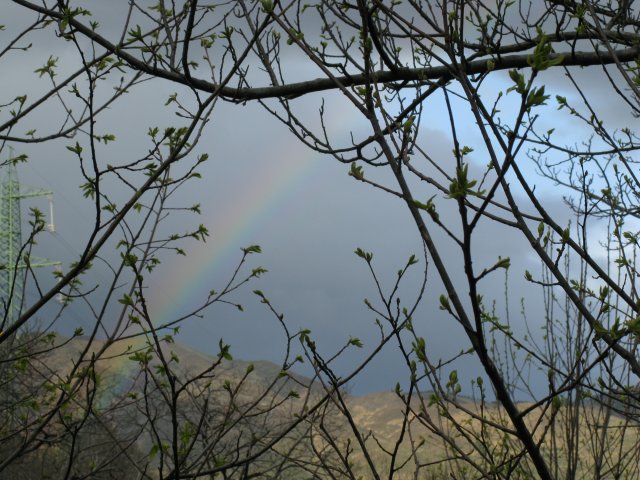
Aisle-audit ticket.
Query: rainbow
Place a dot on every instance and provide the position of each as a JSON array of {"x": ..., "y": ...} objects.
[{"x": 270, "y": 185}]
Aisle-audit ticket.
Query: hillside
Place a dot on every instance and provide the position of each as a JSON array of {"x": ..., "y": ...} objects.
[{"x": 124, "y": 404}]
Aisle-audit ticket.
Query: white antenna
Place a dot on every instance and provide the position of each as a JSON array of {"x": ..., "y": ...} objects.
[{"x": 51, "y": 226}]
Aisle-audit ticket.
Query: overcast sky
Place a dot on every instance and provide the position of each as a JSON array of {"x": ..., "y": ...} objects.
[{"x": 261, "y": 186}]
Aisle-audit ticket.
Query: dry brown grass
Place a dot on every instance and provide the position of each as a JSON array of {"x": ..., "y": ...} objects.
[{"x": 577, "y": 439}]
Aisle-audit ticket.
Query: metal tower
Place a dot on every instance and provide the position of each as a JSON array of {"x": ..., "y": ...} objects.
[{"x": 12, "y": 259}]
